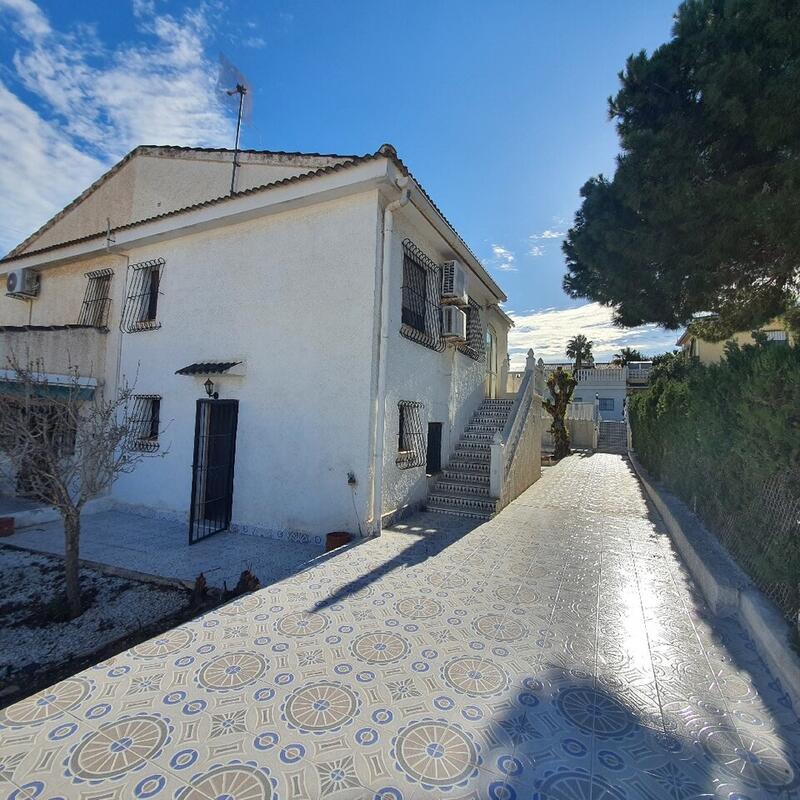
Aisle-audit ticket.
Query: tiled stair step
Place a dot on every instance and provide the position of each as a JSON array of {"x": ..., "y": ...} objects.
[
  {"x": 484, "y": 427},
  {"x": 475, "y": 436},
  {"x": 458, "y": 512},
  {"x": 482, "y": 457},
  {"x": 468, "y": 445},
  {"x": 461, "y": 488},
  {"x": 482, "y": 505},
  {"x": 469, "y": 476},
  {"x": 474, "y": 466}
]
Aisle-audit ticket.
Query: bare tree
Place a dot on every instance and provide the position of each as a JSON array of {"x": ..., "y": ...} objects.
[{"x": 65, "y": 444}]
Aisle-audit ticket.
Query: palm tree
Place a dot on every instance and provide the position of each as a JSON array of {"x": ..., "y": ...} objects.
[
  {"x": 626, "y": 355},
  {"x": 579, "y": 349}
]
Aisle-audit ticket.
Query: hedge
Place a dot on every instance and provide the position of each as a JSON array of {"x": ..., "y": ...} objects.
[{"x": 721, "y": 437}]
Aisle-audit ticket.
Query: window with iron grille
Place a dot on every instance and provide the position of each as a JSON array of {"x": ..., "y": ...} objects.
[
  {"x": 474, "y": 347},
  {"x": 96, "y": 300},
  {"x": 141, "y": 304},
  {"x": 411, "y": 449},
  {"x": 144, "y": 421},
  {"x": 776, "y": 335},
  {"x": 421, "y": 316}
]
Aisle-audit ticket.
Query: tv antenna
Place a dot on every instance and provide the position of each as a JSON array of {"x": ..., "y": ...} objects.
[{"x": 235, "y": 91}]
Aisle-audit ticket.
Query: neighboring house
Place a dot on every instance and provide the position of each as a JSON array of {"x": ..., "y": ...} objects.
[
  {"x": 713, "y": 352},
  {"x": 607, "y": 385},
  {"x": 309, "y": 302}
]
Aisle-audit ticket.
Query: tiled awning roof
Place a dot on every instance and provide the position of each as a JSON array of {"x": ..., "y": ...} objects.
[{"x": 207, "y": 368}]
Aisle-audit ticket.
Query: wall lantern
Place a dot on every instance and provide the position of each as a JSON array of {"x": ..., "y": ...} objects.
[{"x": 209, "y": 384}]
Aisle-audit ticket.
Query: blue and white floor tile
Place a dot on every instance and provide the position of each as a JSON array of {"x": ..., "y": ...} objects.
[{"x": 558, "y": 652}]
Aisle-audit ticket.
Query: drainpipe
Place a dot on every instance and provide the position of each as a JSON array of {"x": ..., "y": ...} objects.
[{"x": 379, "y": 405}]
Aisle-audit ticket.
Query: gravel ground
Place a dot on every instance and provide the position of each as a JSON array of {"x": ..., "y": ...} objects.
[{"x": 32, "y": 645}]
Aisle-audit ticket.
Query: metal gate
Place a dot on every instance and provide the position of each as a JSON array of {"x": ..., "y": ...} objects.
[{"x": 212, "y": 467}]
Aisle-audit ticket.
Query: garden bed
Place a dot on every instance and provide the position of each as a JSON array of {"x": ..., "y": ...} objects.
[{"x": 38, "y": 647}]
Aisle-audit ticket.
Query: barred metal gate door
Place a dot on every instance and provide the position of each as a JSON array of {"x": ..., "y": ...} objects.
[{"x": 212, "y": 467}]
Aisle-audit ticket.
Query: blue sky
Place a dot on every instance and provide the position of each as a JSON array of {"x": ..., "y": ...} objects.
[{"x": 499, "y": 109}]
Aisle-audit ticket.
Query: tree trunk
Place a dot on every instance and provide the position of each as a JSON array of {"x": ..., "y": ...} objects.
[{"x": 72, "y": 533}]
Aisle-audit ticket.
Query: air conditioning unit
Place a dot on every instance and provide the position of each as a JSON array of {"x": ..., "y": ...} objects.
[
  {"x": 454, "y": 323},
  {"x": 22, "y": 283},
  {"x": 454, "y": 283}
]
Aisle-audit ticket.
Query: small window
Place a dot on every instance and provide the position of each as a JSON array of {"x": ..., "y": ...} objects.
[
  {"x": 410, "y": 438},
  {"x": 577, "y": 399},
  {"x": 141, "y": 305},
  {"x": 144, "y": 421},
  {"x": 474, "y": 346},
  {"x": 606, "y": 404},
  {"x": 421, "y": 314},
  {"x": 781, "y": 336},
  {"x": 96, "y": 300}
]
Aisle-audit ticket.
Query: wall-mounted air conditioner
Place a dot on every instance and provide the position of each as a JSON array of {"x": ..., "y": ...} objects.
[
  {"x": 454, "y": 283},
  {"x": 22, "y": 282},
  {"x": 454, "y": 324}
]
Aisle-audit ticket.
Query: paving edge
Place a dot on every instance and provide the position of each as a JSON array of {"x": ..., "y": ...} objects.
[{"x": 726, "y": 587}]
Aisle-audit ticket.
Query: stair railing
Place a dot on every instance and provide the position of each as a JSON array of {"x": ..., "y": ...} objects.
[{"x": 515, "y": 452}]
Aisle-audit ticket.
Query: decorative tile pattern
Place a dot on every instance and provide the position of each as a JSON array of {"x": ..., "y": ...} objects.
[{"x": 559, "y": 651}]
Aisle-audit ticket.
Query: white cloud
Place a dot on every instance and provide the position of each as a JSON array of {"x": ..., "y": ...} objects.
[
  {"x": 32, "y": 22},
  {"x": 93, "y": 105},
  {"x": 502, "y": 259},
  {"x": 536, "y": 251},
  {"x": 548, "y": 234},
  {"x": 547, "y": 332}
]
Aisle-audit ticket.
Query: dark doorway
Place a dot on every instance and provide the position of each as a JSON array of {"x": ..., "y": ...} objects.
[
  {"x": 433, "y": 461},
  {"x": 212, "y": 467}
]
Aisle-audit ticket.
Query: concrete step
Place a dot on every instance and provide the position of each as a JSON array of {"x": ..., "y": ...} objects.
[
  {"x": 484, "y": 505},
  {"x": 478, "y": 436},
  {"x": 478, "y": 467}
]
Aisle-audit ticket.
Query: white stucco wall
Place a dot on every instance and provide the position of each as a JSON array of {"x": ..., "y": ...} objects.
[
  {"x": 292, "y": 296},
  {"x": 161, "y": 180},
  {"x": 449, "y": 384}
]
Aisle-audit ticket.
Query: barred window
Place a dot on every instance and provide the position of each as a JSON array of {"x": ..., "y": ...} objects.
[
  {"x": 421, "y": 315},
  {"x": 144, "y": 421},
  {"x": 141, "y": 304},
  {"x": 775, "y": 335},
  {"x": 474, "y": 347},
  {"x": 410, "y": 436},
  {"x": 96, "y": 300}
]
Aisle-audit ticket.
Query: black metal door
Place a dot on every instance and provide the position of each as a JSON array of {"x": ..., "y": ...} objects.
[
  {"x": 433, "y": 462},
  {"x": 212, "y": 467}
]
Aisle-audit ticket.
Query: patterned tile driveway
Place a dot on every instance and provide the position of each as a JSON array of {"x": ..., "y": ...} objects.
[{"x": 558, "y": 652}]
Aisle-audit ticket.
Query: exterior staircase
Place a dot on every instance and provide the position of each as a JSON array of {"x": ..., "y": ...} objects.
[
  {"x": 613, "y": 437},
  {"x": 463, "y": 487}
]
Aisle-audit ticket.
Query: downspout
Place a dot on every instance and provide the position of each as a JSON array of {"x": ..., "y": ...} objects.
[{"x": 379, "y": 405}]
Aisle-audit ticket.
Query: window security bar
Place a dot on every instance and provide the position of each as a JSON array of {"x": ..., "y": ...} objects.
[
  {"x": 144, "y": 421},
  {"x": 410, "y": 436},
  {"x": 474, "y": 347},
  {"x": 421, "y": 319},
  {"x": 96, "y": 300},
  {"x": 141, "y": 304}
]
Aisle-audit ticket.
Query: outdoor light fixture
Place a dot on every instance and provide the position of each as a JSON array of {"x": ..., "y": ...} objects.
[{"x": 209, "y": 384}]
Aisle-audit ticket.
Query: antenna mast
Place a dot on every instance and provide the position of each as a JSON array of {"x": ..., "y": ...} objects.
[{"x": 241, "y": 90}]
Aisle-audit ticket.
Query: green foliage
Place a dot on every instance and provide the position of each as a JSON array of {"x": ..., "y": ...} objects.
[
  {"x": 715, "y": 434},
  {"x": 703, "y": 211},
  {"x": 579, "y": 349},
  {"x": 626, "y": 355},
  {"x": 561, "y": 384}
]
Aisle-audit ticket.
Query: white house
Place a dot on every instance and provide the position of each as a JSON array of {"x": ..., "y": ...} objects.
[{"x": 323, "y": 301}]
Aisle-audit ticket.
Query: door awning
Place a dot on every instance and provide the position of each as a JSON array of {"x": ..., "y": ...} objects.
[{"x": 207, "y": 368}]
